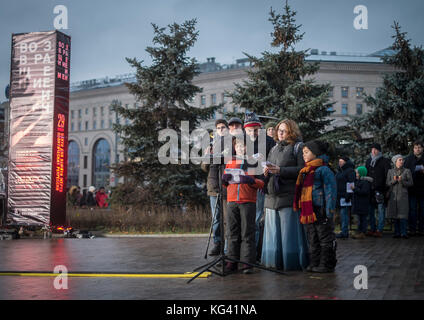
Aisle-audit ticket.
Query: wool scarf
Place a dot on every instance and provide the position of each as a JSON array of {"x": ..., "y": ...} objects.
[{"x": 303, "y": 191}]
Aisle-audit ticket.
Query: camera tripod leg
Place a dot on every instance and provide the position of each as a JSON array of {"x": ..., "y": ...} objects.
[{"x": 211, "y": 229}]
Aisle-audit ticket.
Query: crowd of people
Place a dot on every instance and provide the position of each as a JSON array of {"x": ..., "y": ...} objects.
[
  {"x": 395, "y": 189},
  {"x": 87, "y": 199},
  {"x": 283, "y": 217}
]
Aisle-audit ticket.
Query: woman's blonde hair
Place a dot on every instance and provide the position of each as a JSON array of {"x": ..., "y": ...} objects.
[{"x": 294, "y": 133}]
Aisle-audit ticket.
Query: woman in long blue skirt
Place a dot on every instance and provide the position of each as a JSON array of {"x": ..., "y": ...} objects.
[{"x": 284, "y": 243}]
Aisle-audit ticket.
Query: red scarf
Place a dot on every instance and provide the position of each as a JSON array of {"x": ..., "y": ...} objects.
[{"x": 303, "y": 191}]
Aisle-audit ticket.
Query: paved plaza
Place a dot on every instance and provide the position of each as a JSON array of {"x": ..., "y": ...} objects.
[{"x": 395, "y": 271}]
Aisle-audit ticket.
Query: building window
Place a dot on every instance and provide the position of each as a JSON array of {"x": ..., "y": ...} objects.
[
  {"x": 330, "y": 108},
  {"x": 236, "y": 109},
  {"x": 345, "y": 92},
  {"x": 79, "y": 126},
  {"x": 126, "y": 106},
  {"x": 102, "y": 124},
  {"x": 224, "y": 98},
  {"x": 85, "y": 181},
  {"x": 94, "y": 125},
  {"x": 330, "y": 92},
  {"x": 72, "y": 126},
  {"x": 86, "y": 110},
  {"x": 224, "y": 110},
  {"x": 344, "y": 109},
  {"x": 359, "y": 108},
  {"x": 85, "y": 162},
  {"x": 72, "y": 114},
  {"x": 101, "y": 162},
  {"x": 110, "y": 110},
  {"x": 203, "y": 100},
  {"x": 86, "y": 141},
  {"x": 213, "y": 98},
  {"x": 86, "y": 126},
  {"x": 73, "y": 163},
  {"x": 94, "y": 111},
  {"x": 359, "y": 92},
  {"x": 110, "y": 123},
  {"x": 102, "y": 111},
  {"x": 79, "y": 113}
]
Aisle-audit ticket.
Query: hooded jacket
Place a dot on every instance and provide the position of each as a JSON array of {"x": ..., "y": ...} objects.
[
  {"x": 324, "y": 191},
  {"x": 362, "y": 195}
]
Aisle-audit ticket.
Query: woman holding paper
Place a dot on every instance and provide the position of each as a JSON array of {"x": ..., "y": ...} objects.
[{"x": 284, "y": 242}]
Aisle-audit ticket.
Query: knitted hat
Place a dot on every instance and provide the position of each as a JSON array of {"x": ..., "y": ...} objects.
[
  {"x": 377, "y": 146},
  {"x": 317, "y": 147},
  {"x": 362, "y": 171},
  {"x": 345, "y": 158},
  {"x": 395, "y": 158},
  {"x": 235, "y": 120},
  {"x": 251, "y": 120}
]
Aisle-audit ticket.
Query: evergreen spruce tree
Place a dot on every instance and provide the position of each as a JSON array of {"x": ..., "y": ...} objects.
[
  {"x": 396, "y": 115},
  {"x": 163, "y": 91},
  {"x": 281, "y": 84}
]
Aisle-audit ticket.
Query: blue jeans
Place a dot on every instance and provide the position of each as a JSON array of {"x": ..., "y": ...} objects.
[
  {"x": 401, "y": 227},
  {"x": 216, "y": 227},
  {"x": 416, "y": 214},
  {"x": 344, "y": 220},
  {"x": 381, "y": 217},
  {"x": 260, "y": 201}
]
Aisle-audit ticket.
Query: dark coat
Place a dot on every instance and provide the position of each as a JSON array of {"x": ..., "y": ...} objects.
[
  {"x": 213, "y": 170},
  {"x": 362, "y": 195},
  {"x": 280, "y": 188},
  {"x": 398, "y": 205},
  {"x": 379, "y": 174},
  {"x": 344, "y": 175},
  {"x": 411, "y": 162},
  {"x": 91, "y": 201}
]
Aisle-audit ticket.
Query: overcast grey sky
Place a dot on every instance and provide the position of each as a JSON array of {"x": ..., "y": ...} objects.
[{"x": 104, "y": 32}]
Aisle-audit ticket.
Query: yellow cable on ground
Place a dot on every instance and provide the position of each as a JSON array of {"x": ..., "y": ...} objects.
[{"x": 105, "y": 275}]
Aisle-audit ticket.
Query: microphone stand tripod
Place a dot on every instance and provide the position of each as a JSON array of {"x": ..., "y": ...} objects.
[{"x": 222, "y": 258}]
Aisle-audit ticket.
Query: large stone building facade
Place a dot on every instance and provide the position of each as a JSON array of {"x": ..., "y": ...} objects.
[{"x": 94, "y": 146}]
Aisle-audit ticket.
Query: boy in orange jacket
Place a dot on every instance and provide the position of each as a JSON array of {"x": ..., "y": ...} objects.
[{"x": 241, "y": 206}]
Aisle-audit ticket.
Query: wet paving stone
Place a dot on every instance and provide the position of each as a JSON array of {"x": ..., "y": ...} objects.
[{"x": 395, "y": 271}]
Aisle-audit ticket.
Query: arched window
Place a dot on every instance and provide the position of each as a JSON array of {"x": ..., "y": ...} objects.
[
  {"x": 101, "y": 163},
  {"x": 73, "y": 163}
]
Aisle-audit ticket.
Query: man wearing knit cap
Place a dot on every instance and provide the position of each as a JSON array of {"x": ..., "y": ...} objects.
[
  {"x": 377, "y": 167},
  {"x": 252, "y": 125},
  {"x": 235, "y": 125}
]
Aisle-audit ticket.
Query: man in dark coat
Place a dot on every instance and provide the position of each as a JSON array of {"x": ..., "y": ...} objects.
[
  {"x": 345, "y": 174},
  {"x": 213, "y": 188},
  {"x": 415, "y": 163},
  {"x": 377, "y": 167},
  {"x": 252, "y": 125}
]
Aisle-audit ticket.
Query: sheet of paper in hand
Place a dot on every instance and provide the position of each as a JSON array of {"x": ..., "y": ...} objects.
[
  {"x": 236, "y": 173},
  {"x": 349, "y": 186},
  {"x": 343, "y": 203}
]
